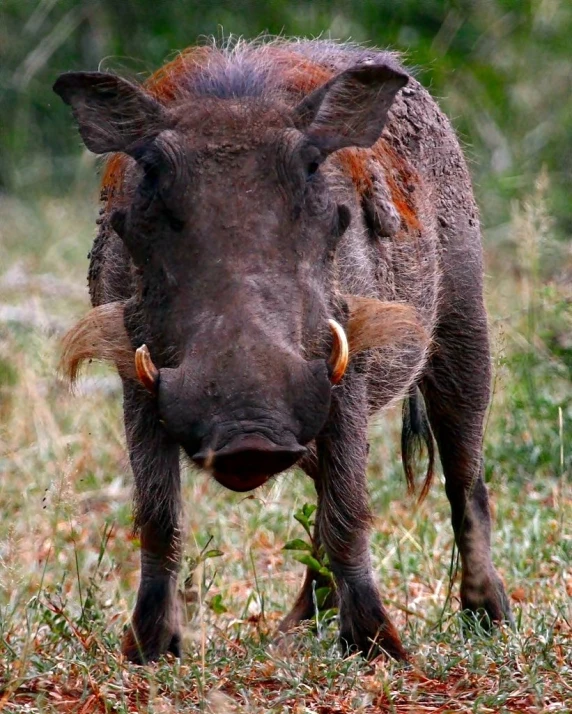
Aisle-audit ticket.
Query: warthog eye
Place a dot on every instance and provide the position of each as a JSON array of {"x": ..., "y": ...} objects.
[
  {"x": 311, "y": 169},
  {"x": 158, "y": 162},
  {"x": 151, "y": 174},
  {"x": 312, "y": 159}
]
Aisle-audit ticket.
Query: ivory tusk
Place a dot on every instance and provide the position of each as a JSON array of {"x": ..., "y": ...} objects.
[
  {"x": 340, "y": 352},
  {"x": 146, "y": 371}
]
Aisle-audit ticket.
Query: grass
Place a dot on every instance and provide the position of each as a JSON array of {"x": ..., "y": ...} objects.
[{"x": 69, "y": 564}]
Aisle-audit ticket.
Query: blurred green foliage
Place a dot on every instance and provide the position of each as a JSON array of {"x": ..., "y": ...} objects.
[{"x": 502, "y": 69}]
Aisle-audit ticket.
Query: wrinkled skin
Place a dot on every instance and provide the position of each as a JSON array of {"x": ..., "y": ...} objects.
[{"x": 235, "y": 236}]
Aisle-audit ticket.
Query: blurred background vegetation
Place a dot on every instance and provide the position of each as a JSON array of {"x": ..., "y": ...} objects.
[{"x": 501, "y": 68}]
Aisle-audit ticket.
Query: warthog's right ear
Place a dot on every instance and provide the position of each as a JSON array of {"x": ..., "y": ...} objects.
[{"x": 112, "y": 113}]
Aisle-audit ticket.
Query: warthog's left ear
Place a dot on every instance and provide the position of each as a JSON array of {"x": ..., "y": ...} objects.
[
  {"x": 351, "y": 109},
  {"x": 112, "y": 113}
]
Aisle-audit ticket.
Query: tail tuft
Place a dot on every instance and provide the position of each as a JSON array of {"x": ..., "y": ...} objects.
[{"x": 416, "y": 432}]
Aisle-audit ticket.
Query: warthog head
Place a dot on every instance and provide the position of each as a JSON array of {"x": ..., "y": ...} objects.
[{"x": 232, "y": 229}]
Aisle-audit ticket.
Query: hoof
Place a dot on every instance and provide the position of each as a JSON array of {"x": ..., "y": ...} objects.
[
  {"x": 365, "y": 625},
  {"x": 488, "y": 601},
  {"x": 372, "y": 643},
  {"x": 142, "y": 651},
  {"x": 304, "y": 609}
]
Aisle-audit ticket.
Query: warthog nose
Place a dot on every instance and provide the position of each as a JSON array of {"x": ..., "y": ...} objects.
[{"x": 248, "y": 461}]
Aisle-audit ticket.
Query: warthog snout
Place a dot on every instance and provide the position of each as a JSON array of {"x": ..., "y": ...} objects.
[{"x": 248, "y": 420}]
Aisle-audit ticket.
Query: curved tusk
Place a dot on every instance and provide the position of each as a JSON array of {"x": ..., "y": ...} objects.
[
  {"x": 340, "y": 352},
  {"x": 145, "y": 370}
]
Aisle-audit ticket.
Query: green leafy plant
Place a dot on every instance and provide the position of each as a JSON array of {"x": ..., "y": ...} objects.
[
  {"x": 309, "y": 553},
  {"x": 197, "y": 579}
]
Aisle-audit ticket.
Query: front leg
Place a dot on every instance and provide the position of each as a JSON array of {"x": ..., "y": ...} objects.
[
  {"x": 344, "y": 519},
  {"x": 155, "y": 627}
]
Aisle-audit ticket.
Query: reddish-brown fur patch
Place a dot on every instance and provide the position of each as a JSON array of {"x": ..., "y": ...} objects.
[
  {"x": 163, "y": 84},
  {"x": 112, "y": 177},
  {"x": 354, "y": 163},
  {"x": 402, "y": 181}
]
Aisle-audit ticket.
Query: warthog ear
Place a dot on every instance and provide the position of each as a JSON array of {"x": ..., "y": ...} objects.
[
  {"x": 112, "y": 113},
  {"x": 351, "y": 109}
]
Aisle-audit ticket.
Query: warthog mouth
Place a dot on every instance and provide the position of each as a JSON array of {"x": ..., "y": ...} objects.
[
  {"x": 248, "y": 461},
  {"x": 238, "y": 483}
]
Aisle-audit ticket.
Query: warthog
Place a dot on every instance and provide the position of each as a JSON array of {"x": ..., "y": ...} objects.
[{"x": 288, "y": 242}]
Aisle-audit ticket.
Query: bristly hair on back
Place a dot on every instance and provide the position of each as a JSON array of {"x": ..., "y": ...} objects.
[{"x": 267, "y": 66}]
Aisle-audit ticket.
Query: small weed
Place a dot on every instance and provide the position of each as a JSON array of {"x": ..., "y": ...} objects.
[{"x": 314, "y": 557}]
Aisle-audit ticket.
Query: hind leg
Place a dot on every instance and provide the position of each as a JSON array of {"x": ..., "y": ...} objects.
[{"x": 457, "y": 391}]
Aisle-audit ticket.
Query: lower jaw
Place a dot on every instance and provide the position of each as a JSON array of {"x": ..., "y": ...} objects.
[{"x": 238, "y": 484}]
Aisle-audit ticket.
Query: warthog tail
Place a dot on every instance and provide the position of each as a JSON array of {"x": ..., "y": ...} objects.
[{"x": 415, "y": 433}]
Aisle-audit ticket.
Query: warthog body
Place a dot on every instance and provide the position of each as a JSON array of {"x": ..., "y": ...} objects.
[{"x": 256, "y": 193}]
